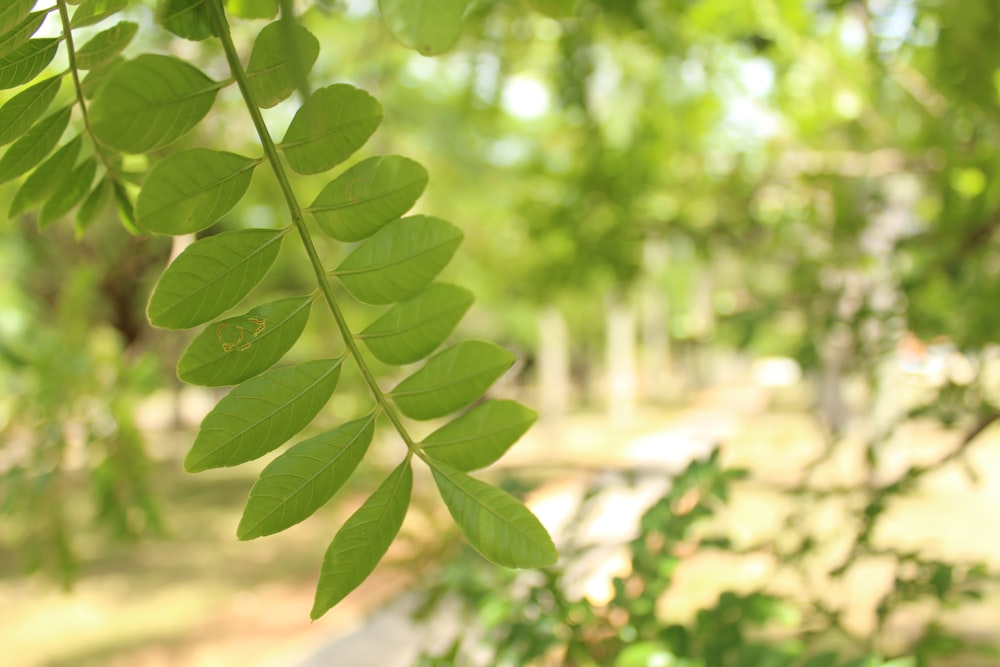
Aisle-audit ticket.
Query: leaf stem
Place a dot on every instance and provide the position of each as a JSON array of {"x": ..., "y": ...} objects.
[
  {"x": 78, "y": 89},
  {"x": 218, "y": 15}
]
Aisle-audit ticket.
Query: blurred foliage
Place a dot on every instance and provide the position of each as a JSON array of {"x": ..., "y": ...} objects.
[{"x": 543, "y": 618}]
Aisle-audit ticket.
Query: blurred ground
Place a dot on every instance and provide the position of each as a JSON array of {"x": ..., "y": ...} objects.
[{"x": 200, "y": 598}]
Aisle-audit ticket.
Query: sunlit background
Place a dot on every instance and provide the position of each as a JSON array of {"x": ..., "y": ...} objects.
[{"x": 746, "y": 253}]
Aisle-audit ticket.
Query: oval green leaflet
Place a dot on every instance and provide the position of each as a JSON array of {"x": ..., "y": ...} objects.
[
  {"x": 304, "y": 478},
  {"x": 399, "y": 260},
  {"x": 411, "y": 330},
  {"x": 451, "y": 379},
  {"x": 429, "y": 26},
  {"x": 20, "y": 35},
  {"x": 105, "y": 45},
  {"x": 47, "y": 177},
  {"x": 363, "y": 539},
  {"x": 22, "y": 110},
  {"x": 262, "y": 414},
  {"x": 27, "y": 61},
  {"x": 211, "y": 276},
  {"x": 93, "y": 11},
  {"x": 185, "y": 18},
  {"x": 279, "y": 47},
  {"x": 13, "y": 12},
  {"x": 150, "y": 102},
  {"x": 481, "y": 436},
  {"x": 237, "y": 348},
  {"x": 368, "y": 195},
  {"x": 36, "y": 143},
  {"x": 190, "y": 190},
  {"x": 70, "y": 193},
  {"x": 496, "y": 524},
  {"x": 333, "y": 123}
]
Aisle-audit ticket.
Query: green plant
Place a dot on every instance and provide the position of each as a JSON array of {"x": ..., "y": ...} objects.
[{"x": 145, "y": 104}]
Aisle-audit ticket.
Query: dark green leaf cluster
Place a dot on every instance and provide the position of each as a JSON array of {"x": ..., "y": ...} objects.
[{"x": 146, "y": 103}]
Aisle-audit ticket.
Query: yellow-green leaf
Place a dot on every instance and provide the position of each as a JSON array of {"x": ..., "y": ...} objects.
[
  {"x": 333, "y": 123},
  {"x": 211, "y": 276},
  {"x": 262, "y": 414},
  {"x": 36, "y": 143},
  {"x": 481, "y": 436},
  {"x": 304, "y": 478},
  {"x": 363, "y": 540},
  {"x": 27, "y": 61},
  {"x": 277, "y": 50},
  {"x": 92, "y": 11},
  {"x": 22, "y": 110},
  {"x": 106, "y": 45},
  {"x": 451, "y": 379}
]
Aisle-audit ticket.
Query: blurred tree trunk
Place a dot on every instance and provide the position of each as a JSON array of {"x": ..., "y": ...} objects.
[
  {"x": 621, "y": 375},
  {"x": 553, "y": 366}
]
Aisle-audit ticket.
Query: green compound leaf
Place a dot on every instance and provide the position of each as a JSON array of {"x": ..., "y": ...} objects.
[
  {"x": 36, "y": 143},
  {"x": 253, "y": 9},
  {"x": 363, "y": 539},
  {"x": 367, "y": 196},
  {"x": 105, "y": 45},
  {"x": 22, "y": 110},
  {"x": 150, "y": 102},
  {"x": 304, "y": 478},
  {"x": 429, "y": 26},
  {"x": 333, "y": 123},
  {"x": 188, "y": 191},
  {"x": 20, "y": 35},
  {"x": 95, "y": 203},
  {"x": 261, "y": 414},
  {"x": 411, "y": 330},
  {"x": 92, "y": 11},
  {"x": 185, "y": 18},
  {"x": 269, "y": 70},
  {"x": 25, "y": 62},
  {"x": 48, "y": 177},
  {"x": 238, "y": 348},
  {"x": 70, "y": 193},
  {"x": 481, "y": 436},
  {"x": 451, "y": 379},
  {"x": 13, "y": 12},
  {"x": 399, "y": 260},
  {"x": 496, "y": 524},
  {"x": 211, "y": 276}
]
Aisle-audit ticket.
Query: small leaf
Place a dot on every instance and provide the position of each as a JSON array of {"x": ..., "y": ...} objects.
[
  {"x": 13, "y": 12},
  {"x": 367, "y": 196},
  {"x": 106, "y": 45},
  {"x": 253, "y": 9},
  {"x": 429, "y": 26},
  {"x": 70, "y": 193},
  {"x": 36, "y": 143},
  {"x": 496, "y": 524},
  {"x": 451, "y": 379},
  {"x": 238, "y": 348},
  {"x": 481, "y": 436},
  {"x": 411, "y": 330},
  {"x": 150, "y": 102},
  {"x": 190, "y": 190},
  {"x": 399, "y": 260},
  {"x": 304, "y": 478},
  {"x": 123, "y": 205},
  {"x": 333, "y": 123},
  {"x": 95, "y": 203},
  {"x": 22, "y": 110},
  {"x": 20, "y": 35},
  {"x": 261, "y": 414},
  {"x": 185, "y": 18},
  {"x": 25, "y": 62},
  {"x": 271, "y": 60},
  {"x": 211, "y": 276},
  {"x": 92, "y": 11},
  {"x": 363, "y": 540},
  {"x": 47, "y": 177}
]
